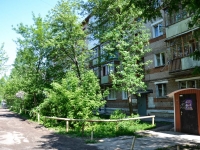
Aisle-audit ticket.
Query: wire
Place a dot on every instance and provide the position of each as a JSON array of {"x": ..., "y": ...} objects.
[{"x": 47, "y": 3}]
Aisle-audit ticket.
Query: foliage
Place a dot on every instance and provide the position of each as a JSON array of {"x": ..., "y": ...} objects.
[
  {"x": 67, "y": 41},
  {"x": 110, "y": 129},
  {"x": 117, "y": 114},
  {"x": 2, "y": 86},
  {"x": 47, "y": 50},
  {"x": 118, "y": 24},
  {"x": 73, "y": 98},
  {"x": 3, "y": 59}
]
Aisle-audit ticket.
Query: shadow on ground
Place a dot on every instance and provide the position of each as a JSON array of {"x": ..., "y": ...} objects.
[
  {"x": 9, "y": 114},
  {"x": 63, "y": 142}
]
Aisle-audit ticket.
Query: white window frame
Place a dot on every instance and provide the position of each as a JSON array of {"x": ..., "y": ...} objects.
[
  {"x": 124, "y": 95},
  {"x": 154, "y": 25},
  {"x": 112, "y": 94},
  {"x": 162, "y": 82},
  {"x": 186, "y": 84},
  {"x": 163, "y": 94},
  {"x": 196, "y": 79},
  {"x": 161, "y": 58}
]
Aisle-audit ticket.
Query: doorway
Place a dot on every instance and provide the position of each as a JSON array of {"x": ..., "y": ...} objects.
[
  {"x": 142, "y": 105},
  {"x": 188, "y": 113}
]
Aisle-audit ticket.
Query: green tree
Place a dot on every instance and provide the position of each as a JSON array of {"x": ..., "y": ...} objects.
[
  {"x": 29, "y": 64},
  {"x": 78, "y": 94},
  {"x": 118, "y": 24},
  {"x": 73, "y": 98},
  {"x": 3, "y": 59},
  {"x": 2, "y": 87},
  {"x": 67, "y": 38},
  {"x": 47, "y": 51}
]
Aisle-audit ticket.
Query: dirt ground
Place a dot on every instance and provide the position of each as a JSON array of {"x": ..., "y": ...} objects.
[{"x": 17, "y": 133}]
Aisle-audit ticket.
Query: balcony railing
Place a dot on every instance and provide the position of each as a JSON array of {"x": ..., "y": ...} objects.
[
  {"x": 106, "y": 79},
  {"x": 182, "y": 64}
]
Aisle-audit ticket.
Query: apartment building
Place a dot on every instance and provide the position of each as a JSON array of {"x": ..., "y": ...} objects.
[
  {"x": 172, "y": 66},
  {"x": 171, "y": 69}
]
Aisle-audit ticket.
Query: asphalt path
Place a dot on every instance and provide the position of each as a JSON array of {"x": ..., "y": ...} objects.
[{"x": 17, "y": 133}]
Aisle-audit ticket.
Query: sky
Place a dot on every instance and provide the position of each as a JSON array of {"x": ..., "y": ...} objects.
[{"x": 14, "y": 12}]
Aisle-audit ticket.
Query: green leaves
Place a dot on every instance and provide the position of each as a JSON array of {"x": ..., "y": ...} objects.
[
  {"x": 75, "y": 98},
  {"x": 3, "y": 59},
  {"x": 117, "y": 24}
]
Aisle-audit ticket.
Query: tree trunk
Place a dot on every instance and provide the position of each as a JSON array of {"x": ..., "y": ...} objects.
[{"x": 130, "y": 103}]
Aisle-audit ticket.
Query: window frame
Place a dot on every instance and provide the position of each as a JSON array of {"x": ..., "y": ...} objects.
[
  {"x": 107, "y": 69},
  {"x": 124, "y": 95},
  {"x": 112, "y": 92},
  {"x": 163, "y": 90},
  {"x": 161, "y": 59},
  {"x": 186, "y": 83},
  {"x": 158, "y": 24}
]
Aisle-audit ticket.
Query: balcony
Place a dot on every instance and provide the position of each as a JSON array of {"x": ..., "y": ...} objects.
[
  {"x": 106, "y": 80},
  {"x": 109, "y": 57},
  {"x": 182, "y": 64},
  {"x": 94, "y": 62},
  {"x": 177, "y": 28}
]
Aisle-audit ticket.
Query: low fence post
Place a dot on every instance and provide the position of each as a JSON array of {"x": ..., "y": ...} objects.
[
  {"x": 67, "y": 126},
  {"x": 153, "y": 120},
  {"x": 117, "y": 125},
  {"x": 38, "y": 117},
  {"x": 92, "y": 133}
]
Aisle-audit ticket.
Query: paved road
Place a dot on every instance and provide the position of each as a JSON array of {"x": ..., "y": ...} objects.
[{"x": 19, "y": 134}]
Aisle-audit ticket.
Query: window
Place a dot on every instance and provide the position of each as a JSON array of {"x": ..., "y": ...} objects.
[
  {"x": 112, "y": 94},
  {"x": 107, "y": 69},
  {"x": 161, "y": 90},
  {"x": 157, "y": 29},
  {"x": 159, "y": 59},
  {"x": 157, "y": 3},
  {"x": 172, "y": 18},
  {"x": 187, "y": 84},
  {"x": 95, "y": 52},
  {"x": 96, "y": 71},
  {"x": 102, "y": 53},
  {"x": 124, "y": 95}
]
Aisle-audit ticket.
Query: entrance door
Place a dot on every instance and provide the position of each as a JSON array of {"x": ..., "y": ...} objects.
[
  {"x": 188, "y": 113},
  {"x": 142, "y": 105}
]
